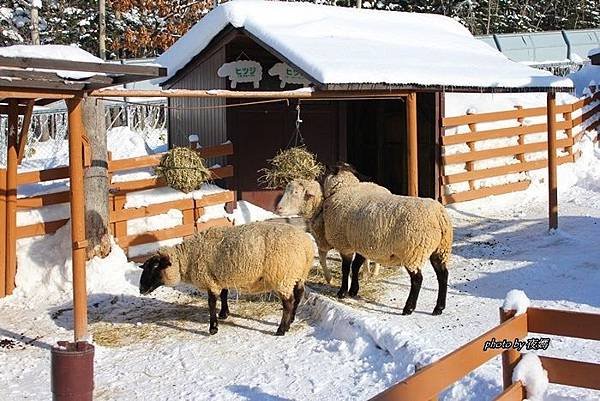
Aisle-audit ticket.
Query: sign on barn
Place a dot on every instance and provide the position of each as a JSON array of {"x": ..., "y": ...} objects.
[
  {"x": 241, "y": 71},
  {"x": 287, "y": 75}
]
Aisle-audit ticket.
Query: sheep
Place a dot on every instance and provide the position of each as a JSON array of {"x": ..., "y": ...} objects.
[
  {"x": 305, "y": 198},
  {"x": 241, "y": 71},
  {"x": 254, "y": 258},
  {"x": 389, "y": 229}
]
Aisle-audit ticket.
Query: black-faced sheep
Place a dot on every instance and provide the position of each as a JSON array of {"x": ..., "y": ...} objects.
[
  {"x": 252, "y": 258},
  {"x": 389, "y": 229}
]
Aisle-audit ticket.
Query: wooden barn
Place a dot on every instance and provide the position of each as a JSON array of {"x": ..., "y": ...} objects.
[{"x": 368, "y": 67}]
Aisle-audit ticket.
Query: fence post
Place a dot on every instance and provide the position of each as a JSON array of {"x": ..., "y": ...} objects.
[
  {"x": 11, "y": 196},
  {"x": 511, "y": 356},
  {"x": 470, "y": 165},
  {"x": 120, "y": 227},
  {"x": 2, "y": 233},
  {"x": 569, "y": 131},
  {"x": 552, "y": 163},
  {"x": 521, "y": 141}
]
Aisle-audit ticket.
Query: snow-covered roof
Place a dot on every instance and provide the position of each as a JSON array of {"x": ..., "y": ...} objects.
[
  {"x": 594, "y": 52},
  {"x": 53, "y": 52},
  {"x": 345, "y": 46}
]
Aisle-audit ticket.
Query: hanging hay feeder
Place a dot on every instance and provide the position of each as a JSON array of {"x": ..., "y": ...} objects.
[
  {"x": 183, "y": 169},
  {"x": 288, "y": 165}
]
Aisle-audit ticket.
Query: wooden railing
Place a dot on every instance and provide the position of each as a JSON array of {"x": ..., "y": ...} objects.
[
  {"x": 192, "y": 209},
  {"x": 517, "y": 152},
  {"x": 428, "y": 383}
]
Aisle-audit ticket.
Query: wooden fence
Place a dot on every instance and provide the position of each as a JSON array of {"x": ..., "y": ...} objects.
[
  {"x": 428, "y": 383},
  {"x": 518, "y": 152},
  {"x": 192, "y": 209}
]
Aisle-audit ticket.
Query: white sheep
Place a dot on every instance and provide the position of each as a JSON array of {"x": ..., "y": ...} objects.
[
  {"x": 241, "y": 71},
  {"x": 389, "y": 229},
  {"x": 253, "y": 258}
]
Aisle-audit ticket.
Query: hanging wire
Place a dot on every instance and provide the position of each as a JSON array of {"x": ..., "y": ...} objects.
[
  {"x": 297, "y": 138},
  {"x": 221, "y": 106}
]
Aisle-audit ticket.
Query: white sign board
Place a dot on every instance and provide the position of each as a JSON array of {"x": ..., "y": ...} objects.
[
  {"x": 241, "y": 71},
  {"x": 287, "y": 75}
]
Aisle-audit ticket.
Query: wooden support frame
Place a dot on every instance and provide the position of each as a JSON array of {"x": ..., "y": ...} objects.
[
  {"x": 412, "y": 144},
  {"x": 2, "y": 233},
  {"x": 11, "y": 196},
  {"x": 27, "y": 115},
  {"x": 552, "y": 162},
  {"x": 76, "y": 134}
]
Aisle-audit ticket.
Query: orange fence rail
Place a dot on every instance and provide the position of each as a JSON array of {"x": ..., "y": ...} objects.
[
  {"x": 192, "y": 209},
  {"x": 428, "y": 383},
  {"x": 518, "y": 152}
]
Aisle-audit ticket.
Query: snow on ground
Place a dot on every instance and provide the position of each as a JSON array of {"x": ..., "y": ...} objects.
[{"x": 157, "y": 347}]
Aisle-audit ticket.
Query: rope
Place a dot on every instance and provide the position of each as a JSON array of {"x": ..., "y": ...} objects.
[
  {"x": 297, "y": 137},
  {"x": 223, "y": 106}
]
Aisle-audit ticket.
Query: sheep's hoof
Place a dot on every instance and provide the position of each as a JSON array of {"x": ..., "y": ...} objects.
[
  {"x": 341, "y": 294},
  {"x": 213, "y": 330},
  {"x": 280, "y": 332},
  {"x": 223, "y": 315},
  {"x": 353, "y": 292},
  {"x": 437, "y": 311},
  {"x": 407, "y": 311}
]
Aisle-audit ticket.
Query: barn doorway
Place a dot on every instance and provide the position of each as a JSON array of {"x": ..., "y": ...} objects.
[{"x": 376, "y": 140}]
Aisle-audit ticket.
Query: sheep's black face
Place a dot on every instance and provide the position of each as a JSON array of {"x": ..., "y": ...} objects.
[{"x": 151, "y": 277}]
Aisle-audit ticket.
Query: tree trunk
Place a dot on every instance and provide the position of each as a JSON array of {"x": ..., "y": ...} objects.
[
  {"x": 35, "y": 26},
  {"x": 96, "y": 183},
  {"x": 102, "y": 29}
]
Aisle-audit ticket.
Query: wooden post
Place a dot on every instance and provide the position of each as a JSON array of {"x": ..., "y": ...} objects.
[
  {"x": 2, "y": 233},
  {"x": 470, "y": 165},
  {"x": 11, "y": 196},
  {"x": 552, "y": 184},
  {"x": 78, "y": 243},
  {"x": 521, "y": 140},
  {"x": 569, "y": 131},
  {"x": 511, "y": 356},
  {"x": 413, "y": 161}
]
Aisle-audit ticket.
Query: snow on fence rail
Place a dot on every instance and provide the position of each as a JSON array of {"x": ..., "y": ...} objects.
[
  {"x": 51, "y": 208},
  {"x": 515, "y": 149},
  {"x": 428, "y": 383},
  {"x": 192, "y": 208}
]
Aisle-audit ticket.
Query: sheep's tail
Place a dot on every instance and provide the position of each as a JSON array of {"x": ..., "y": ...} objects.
[{"x": 444, "y": 248}]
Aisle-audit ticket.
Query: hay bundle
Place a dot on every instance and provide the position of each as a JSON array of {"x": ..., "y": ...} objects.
[
  {"x": 291, "y": 164},
  {"x": 183, "y": 169}
]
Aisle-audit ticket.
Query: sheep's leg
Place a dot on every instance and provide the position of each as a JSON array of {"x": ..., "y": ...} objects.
[
  {"x": 224, "y": 312},
  {"x": 288, "y": 307},
  {"x": 212, "y": 309},
  {"x": 442, "y": 277},
  {"x": 298, "y": 295},
  {"x": 346, "y": 261},
  {"x": 323, "y": 261},
  {"x": 416, "y": 278},
  {"x": 356, "y": 264}
]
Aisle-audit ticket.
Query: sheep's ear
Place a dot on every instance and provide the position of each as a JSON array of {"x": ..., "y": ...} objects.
[{"x": 164, "y": 262}]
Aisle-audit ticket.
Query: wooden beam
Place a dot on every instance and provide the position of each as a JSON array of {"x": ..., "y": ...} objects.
[
  {"x": 25, "y": 129},
  {"x": 564, "y": 323},
  {"x": 515, "y": 392},
  {"x": 69, "y": 65},
  {"x": 76, "y": 133},
  {"x": 35, "y": 93},
  {"x": 11, "y": 196},
  {"x": 572, "y": 373},
  {"x": 228, "y": 94},
  {"x": 412, "y": 144},
  {"x": 552, "y": 162},
  {"x": 63, "y": 85}
]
